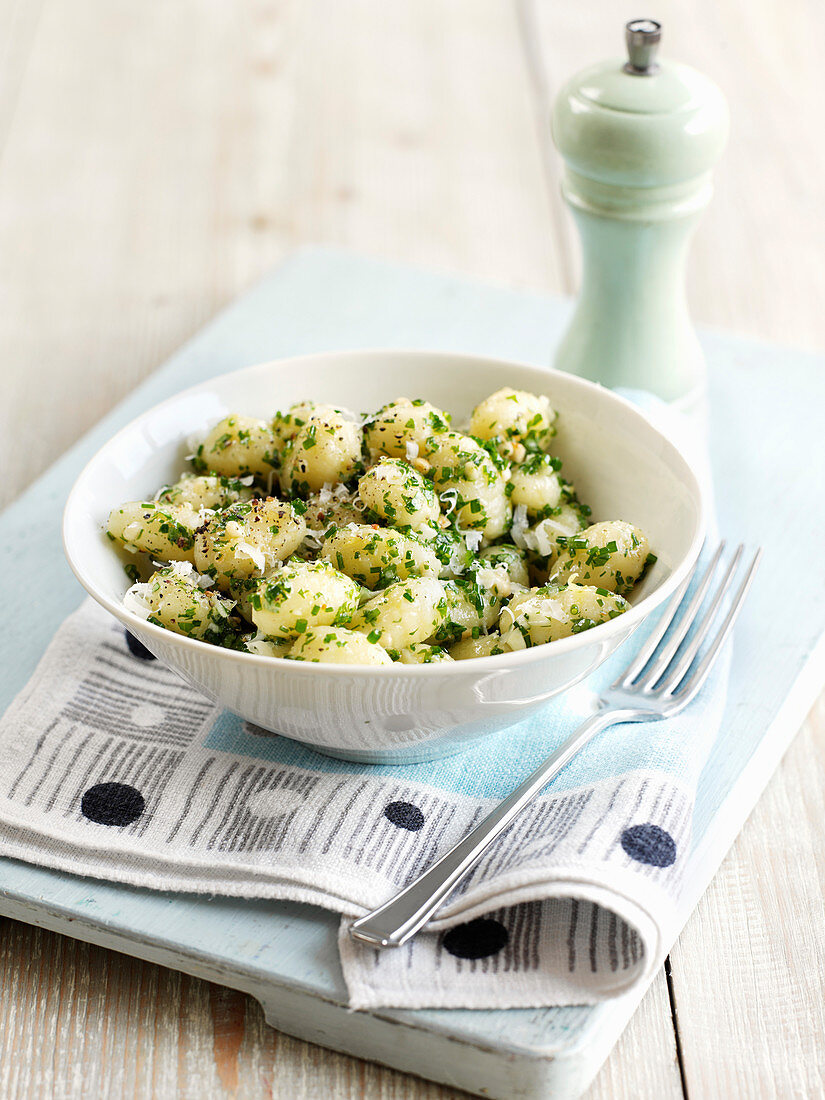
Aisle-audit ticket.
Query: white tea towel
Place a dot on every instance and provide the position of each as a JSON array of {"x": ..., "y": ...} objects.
[{"x": 112, "y": 767}]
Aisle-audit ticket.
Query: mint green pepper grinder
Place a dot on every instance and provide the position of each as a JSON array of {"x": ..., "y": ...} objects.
[{"x": 639, "y": 139}]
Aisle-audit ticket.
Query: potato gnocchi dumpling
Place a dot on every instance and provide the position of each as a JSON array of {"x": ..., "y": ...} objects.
[
  {"x": 396, "y": 494},
  {"x": 510, "y": 558},
  {"x": 242, "y": 589},
  {"x": 308, "y": 593},
  {"x": 403, "y": 614},
  {"x": 405, "y": 429},
  {"x": 285, "y": 426},
  {"x": 207, "y": 492},
  {"x": 333, "y": 645},
  {"x": 419, "y": 653},
  {"x": 248, "y": 539},
  {"x": 165, "y": 531},
  {"x": 470, "y": 610},
  {"x": 485, "y": 645},
  {"x": 556, "y": 611},
  {"x": 268, "y": 647},
  {"x": 541, "y": 541},
  {"x": 609, "y": 555},
  {"x": 567, "y": 519},
  {"x": 375, "y": 556},
  {"x": 326, "y": 450},
  {"x": 236, "y": 447},
  {"x": 172, "y": 597},
  {"x": 394, "y": 538},
  {"x": 471, "y": 483},
  {"x": 327, "y": 507},
  {"x": 536, "y": 485},
  {"x": 517, "y": 422},
  {"x": 456, "y": 550}
]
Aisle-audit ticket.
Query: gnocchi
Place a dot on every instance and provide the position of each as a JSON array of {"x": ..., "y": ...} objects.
[
  {"x": 399, "y": 495},
  {"x": 404, "y": 613},
  {"x": 517, "y": 422},
  {"x": 165, "y": 531},
  {"x": 485, "y": 645},
  {"x": 338, "y": 646},
  {"x": 406, "y": 429},
  {"x": 536, "y": 485},
  {"x": 419, "y": 653},
  {"x": 393, "y": 538},
  {"x": 510, "y": 558},
  {"x": 376, "y": 556},
  {"x": 236, "y": 447},
  {"x": 556, "y": 611},
  {"x": 269, "y": 647},
  {"x": 326, "y": 450},
  {"x": 206, "y": 493},
  {"x": 471, "y": 609},
  {"x": 174, "y": 598},
  {"x": 608, "y": 555},
  {"x": 310, "y": 593},
  {"x": 248, "y": 539},
  {"x": 472, "y": 483}
]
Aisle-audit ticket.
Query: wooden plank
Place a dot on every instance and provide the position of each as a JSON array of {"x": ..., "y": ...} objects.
[
  {"x": 752, "y": 1014},
  {"x": 643, "y": 1063},
  {"x": 431, "y": 156},
  {"x": 18, "y": 26},
  {"x": 75, "y": 1017},
  {"x": 226, "y": 135},
  {"x": 117, "y": 228},
  {"x": 76, "y": 1020}
]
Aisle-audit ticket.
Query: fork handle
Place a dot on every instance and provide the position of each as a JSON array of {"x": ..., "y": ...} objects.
[{"x": 394, "y": 922}]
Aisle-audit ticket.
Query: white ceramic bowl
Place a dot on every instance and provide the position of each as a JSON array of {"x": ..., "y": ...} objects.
[{"x": 620, "y": 464}]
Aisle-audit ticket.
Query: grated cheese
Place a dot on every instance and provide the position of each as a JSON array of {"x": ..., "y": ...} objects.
[
  {"x": 255, "y": 555},
  {"x": 135, "y": 601}
]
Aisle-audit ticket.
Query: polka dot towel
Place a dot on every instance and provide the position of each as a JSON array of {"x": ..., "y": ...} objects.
[{"x": 111, "y": 767}]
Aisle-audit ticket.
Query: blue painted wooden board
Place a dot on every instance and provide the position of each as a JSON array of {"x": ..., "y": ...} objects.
[{"x": 768, "y": 461}]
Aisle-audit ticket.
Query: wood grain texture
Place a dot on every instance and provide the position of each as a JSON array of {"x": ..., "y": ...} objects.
[
  {"x": 644, "y": 1063},
  {"x": 748, "y": 974},
  {"x": 76, "y": 1020},
  {"x": 226, "y": 135},
  {"x": 154, "y": 160}
]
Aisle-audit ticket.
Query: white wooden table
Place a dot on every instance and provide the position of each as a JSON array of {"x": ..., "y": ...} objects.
[{"x": 155, "y": 158}]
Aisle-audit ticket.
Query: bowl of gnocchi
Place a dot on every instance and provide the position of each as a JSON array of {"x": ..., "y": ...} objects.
[{"x": 385, "y": 555}]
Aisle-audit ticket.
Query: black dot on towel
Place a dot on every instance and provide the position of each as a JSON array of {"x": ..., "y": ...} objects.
[
  {"x": 112, "y": 804},
  {"x": 137, "y": 648},
  {"x": 476, "y": 939},
  {"x": 649, "y": 844},
  {"x": 404, "y": 815}
]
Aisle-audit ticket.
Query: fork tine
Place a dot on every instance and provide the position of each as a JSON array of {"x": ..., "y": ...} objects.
[
  {"x": 702, "y": 670},
  {"x": 637, "y": 665},
  {"x": 626, "y": 678},
  {"x": 670, "y": 678},
  {"x": 670, "y": 649}
]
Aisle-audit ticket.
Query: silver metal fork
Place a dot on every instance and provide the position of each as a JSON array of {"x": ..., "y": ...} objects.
[{"x": 661, "y": 680}]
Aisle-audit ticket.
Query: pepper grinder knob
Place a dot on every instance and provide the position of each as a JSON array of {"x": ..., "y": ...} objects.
[
  {"x": 639, "y": 139},
  {"x": 642, "y": 37}
]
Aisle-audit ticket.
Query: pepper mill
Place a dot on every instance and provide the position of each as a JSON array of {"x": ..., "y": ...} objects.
[{"x": 639, "y": 139}]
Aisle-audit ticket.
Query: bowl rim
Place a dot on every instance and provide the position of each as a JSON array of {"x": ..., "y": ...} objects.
[{"x": 632, "y": 617}]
